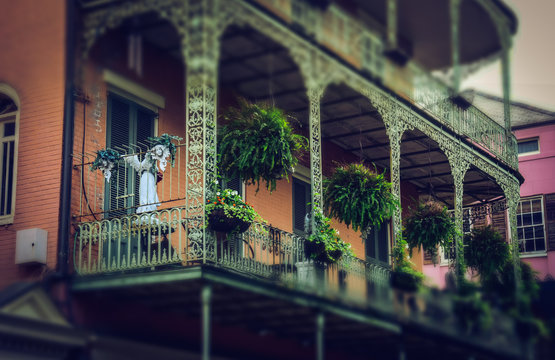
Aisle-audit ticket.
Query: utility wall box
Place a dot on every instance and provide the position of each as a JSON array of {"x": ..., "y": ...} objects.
[{"x": 30, "y": 246}]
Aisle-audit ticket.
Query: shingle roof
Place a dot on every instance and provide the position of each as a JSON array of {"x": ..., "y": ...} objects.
[{"x": 522, "y": 115}]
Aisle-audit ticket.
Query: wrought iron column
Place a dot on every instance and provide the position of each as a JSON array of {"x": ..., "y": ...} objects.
[
  {"x": 454, "y": 12},
  {"x": 315, "y": 95},
  {"x": 320, "y": 321},
  {"x": 506, "y": 79},
  {"x": 391, "y": 24},
  {"x": 459, "y": 167},
  {"x": 395, "y": 134},
  {"x": 206, "y": 298},
  {"x": 511, "y": 188},
  {"x": 201, "y": 53}
]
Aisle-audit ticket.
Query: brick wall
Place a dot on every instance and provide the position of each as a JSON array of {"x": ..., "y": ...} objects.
[{"x": 32, "y": 62}]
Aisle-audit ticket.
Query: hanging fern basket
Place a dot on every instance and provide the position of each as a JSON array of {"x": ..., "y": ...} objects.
[
  {"x": 358, "y": 196},
  {"x": 258, "y": 143},
  {"x": 219, "y": 221},
  {"x": 430, "y": 227}
]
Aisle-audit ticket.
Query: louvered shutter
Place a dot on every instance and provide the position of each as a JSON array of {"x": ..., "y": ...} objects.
[
  {"x": 235, "y": 184},
  {"x": 550, "y": 220},
  {"x": 499, "y": 223},
  {"x": 118, "y": 138},
  {"x": 301, "y": 198}
]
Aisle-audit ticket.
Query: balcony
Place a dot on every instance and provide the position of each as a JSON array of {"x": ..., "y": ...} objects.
[{"x": 113, "y": 242}]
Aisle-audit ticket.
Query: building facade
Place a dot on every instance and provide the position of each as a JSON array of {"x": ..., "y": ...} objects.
[{"x": 357, "y": 78}]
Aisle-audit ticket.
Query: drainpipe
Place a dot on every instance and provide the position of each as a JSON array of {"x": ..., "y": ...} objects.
[{"x": 67, "y": 145}]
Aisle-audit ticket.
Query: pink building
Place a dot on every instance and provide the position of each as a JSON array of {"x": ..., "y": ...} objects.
[{"x": 534, "y": 129}]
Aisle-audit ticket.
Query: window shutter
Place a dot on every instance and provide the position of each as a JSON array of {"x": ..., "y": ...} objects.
[
  {"x": 301, "y": 196},
  {"x": 499, "y": 223},
  {"x": 550, "y": 220},
  {"x": 427, "y": 258},
  {"x": 119, "y": 113},
  {"x": 235, "y": 184}
]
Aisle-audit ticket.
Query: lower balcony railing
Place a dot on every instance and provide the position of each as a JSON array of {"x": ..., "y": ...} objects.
[{"x": 166, "y": 238}]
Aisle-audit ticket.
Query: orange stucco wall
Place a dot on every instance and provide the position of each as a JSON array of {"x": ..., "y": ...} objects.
[{"x": 32, "y": 62}]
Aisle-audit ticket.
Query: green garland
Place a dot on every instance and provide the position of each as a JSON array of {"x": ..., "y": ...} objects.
[
  {"x": 359, "y": 196},
  {"x": 166, "y": 140},
  {"x": 258, "y": 143},
  {"x": 105, "y": 155}
]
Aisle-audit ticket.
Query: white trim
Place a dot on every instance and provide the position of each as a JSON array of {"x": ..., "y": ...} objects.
[
  {"x": 12, "y": 94},
  {"x": 533, "y": 255},
  {"x": 133, "y": 91},
  {"x": 302, "y": 173}
]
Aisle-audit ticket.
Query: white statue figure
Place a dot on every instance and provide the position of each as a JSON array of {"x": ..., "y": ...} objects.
[{"x": 148, "y": 168}]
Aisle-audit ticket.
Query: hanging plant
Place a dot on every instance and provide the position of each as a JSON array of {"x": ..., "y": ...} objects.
[
  {"x": 258, "y": 143},
  {"x": 324, "y": 243},
  {"x": 430, "y": 226},
  {"x": 359, "y": 197},
  {"x": 226, "y": 211},
  {"x": 486, "y": 252},
  {"x": 404, "y": 276},
  {"x": 105, "y": 161}
]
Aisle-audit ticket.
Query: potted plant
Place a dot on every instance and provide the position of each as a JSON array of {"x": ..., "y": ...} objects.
[
  {"x": 430, "y": 226},
  {"x": 486, "y": 252},
  {"x": 226, "y": 211},
  {"x": 404, "y": 276},
  {"x": 105, "y": 160},
  {"x": 358, "y": 196},
  {"x": 258, "y": 143},
  {"x": 324, "y": 244}
]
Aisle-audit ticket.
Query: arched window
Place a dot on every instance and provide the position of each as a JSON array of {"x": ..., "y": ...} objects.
[{"x": 9, "y": 117}]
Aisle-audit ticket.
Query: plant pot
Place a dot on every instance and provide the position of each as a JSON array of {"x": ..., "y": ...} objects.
[
  {"x": 404, "y": 281},
  {"x": 219, "y": 221},
  {"x": 315, "y": 251}
]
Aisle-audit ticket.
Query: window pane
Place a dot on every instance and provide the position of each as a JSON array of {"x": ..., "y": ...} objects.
[
  {"x": 526, "y": 208},
  {"x": 530, "y": 246},
  {"x": 528, "y": 146},
  {"x": 520, "y": 234},
  {"x": 10, "y": 178},
  {"x": 528, "y": 233},
  {"x": 9, "y": 129},
  {"x": 537, "y": 205},
  {"x": 519, "y": 220},
  {"x": 537, "y": 218},
  {"x": 4, "y": 178},
  {"x": 538, "y": 231},
  {"x": 527, "y": 219},
  {"x": 540, "y": 244}
]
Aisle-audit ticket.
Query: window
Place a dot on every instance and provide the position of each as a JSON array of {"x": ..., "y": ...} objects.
[
  {"x": 9, "y": 114},
  {"x": 528, "y": 147},
  {"x": 449, "y": 254},
  {"x": 377, "y": 244},
  {"x": 301, "y": 207},
  {"x": 530, "y": 225},
  {"x": 129, "y": 126}
]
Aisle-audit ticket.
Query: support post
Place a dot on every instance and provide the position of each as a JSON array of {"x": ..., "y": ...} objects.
[
  {"x": 511, "y": 189},
  {"x": 391, "y": 24},
  {"x": 395, "y": 136},
  {"x": 320, "y": 320},
  {"x": 454, "y": 12},
  {"x": 206, "y": 297},
  {"x": 315, "y": 95},
  {"x": 506, "y": 79},
  {"x": 200, "y": 49},
  {"x": 459, "y": 167}
]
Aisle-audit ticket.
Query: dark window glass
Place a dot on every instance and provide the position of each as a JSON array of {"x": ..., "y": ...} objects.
[
  {"x": 528, "y": 146},
  {"x": 301, "y": 207},
  {"x": 9, "y": 129}
]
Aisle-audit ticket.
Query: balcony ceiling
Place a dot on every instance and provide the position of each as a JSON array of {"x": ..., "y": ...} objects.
[{"x": 424, "y": 25}]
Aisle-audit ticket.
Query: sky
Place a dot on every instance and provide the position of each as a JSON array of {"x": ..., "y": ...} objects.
[{"x": 532, "y": 58}]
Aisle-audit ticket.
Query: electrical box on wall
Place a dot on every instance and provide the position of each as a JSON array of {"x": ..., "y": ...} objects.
[{"x": 30, "y": 246}]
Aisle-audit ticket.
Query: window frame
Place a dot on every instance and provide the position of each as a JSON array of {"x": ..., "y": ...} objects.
[
  {"x": 10, "y": 93},
  {"x": 543, "y": 224},
  {"x": 535, "y": 152},
  {"x": 387, "y": 225}
]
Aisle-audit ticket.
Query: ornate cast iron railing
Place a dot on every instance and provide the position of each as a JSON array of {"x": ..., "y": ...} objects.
[{"x": 364, "y": 48}]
